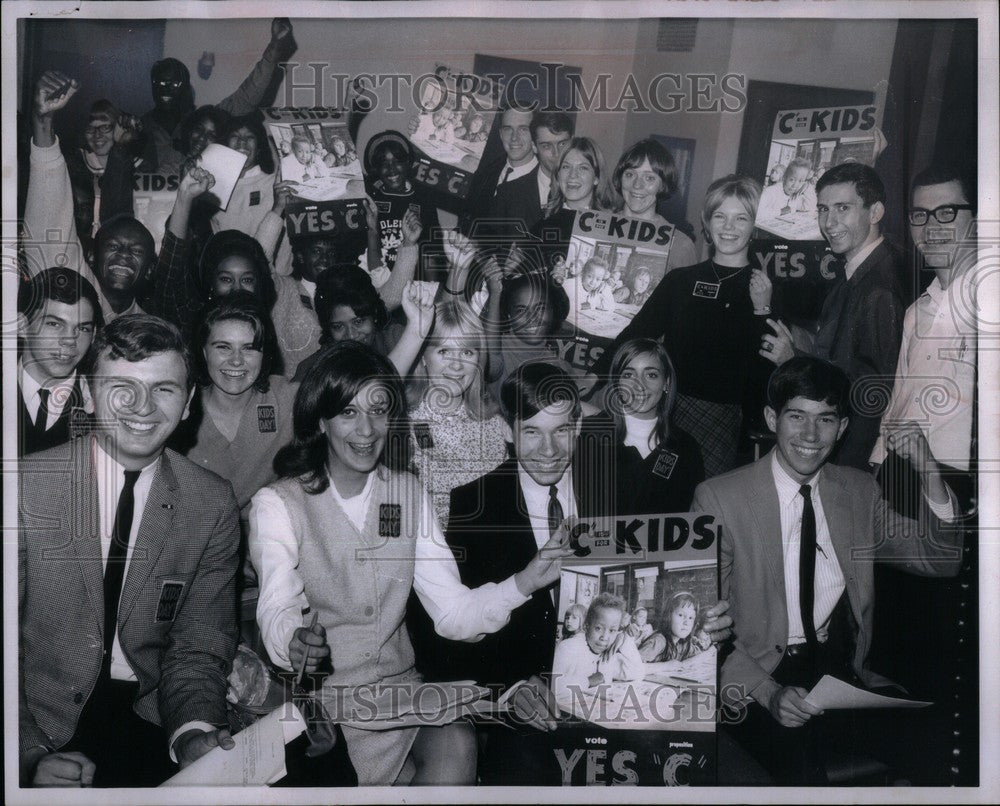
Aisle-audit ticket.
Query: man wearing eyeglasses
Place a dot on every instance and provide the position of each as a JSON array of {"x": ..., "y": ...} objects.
[{"x": 936, "y": 370}]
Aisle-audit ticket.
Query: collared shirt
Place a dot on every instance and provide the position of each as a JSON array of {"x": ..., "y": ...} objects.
[
  {"x": 110, "y": 481},
  {"x": 851, "y": 265},
  {"x": 517, "y": 171},
  {"x": 274, "y": 550},
  {"x": 936, "y": 371},
  {"x": 829, "y": 579},
  {"x": 60, "y": 393},
  {"x": 544, "y": 186},
  {"x": 110, "y": 315},
  {"x": 536, "y": 500}
]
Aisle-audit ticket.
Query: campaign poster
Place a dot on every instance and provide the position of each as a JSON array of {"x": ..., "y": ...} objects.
[
  {"x": 153, "y": 198},
  {"x": 612, "y": 267},
  {"x": 316, "y": 152},
  {"x": 634, "y": 674},
  {"x": 804, "y": 144}
]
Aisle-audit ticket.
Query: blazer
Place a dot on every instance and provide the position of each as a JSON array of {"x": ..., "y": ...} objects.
[
  {"x": 491, "y": 537},
  {"x": 860, "y": 328},
  {"x": 517, "y": 201},
  {"x": 177, "y": 618},
  {"x": 863, "y": 528}
]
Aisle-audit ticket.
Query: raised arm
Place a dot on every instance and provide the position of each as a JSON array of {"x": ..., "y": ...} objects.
[{"x": 250, "y": 94}]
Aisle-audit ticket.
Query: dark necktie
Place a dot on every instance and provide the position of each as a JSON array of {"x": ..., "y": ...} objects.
[
  {"x": 555, "y": 511},
  {"x": 807, "y": 565},
  {"x": 41, "y": 418},
  {"x": 114, "y": 571}
]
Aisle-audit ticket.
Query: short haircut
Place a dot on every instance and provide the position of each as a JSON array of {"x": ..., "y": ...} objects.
[
  {"x": 943, "y": 173},
  {"x": 552, "y": 294},
  {"x": 811, "y": 378},
  {"x": 398, "y": 150},
  {"x": 866, "y": 181},
  {"x": 604, "y": 601},
  {"x": 135, "y": 337},
  {"x": 330, "y": 384},
  {"x": 659, "y": 160},
  {"x": 536, "y": 385},
  {"x": 556, "y": 122},
  {"x": 233, "y": 243},
  {"x": 350, "y": 286},
  {"x": 105, "y": 108},
  {"x": 798, "y": 162},
  {"x": 123, "y": 222},
  {"x": 217, "y": 116},
  {"x": 254, "y": 121},
  {"x": 595, "y": 263},
  {"x": 239, "y": 306},
  {"x": 742, "y": 188},
  {"x": 58, "y": 284}
]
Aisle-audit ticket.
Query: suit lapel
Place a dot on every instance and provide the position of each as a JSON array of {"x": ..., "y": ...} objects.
[
  {"x": 85, "y": 522},
  {"x": 839, "y": 516},
  {"x": 154, "y": 530},
  {"x": 765, "y": 509}
]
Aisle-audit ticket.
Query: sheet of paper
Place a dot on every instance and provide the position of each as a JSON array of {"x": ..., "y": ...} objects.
[
  {"x": 225, "y": 165},
  {"x": 257, "y": 759},
  {"x": 830, "y": 692}
]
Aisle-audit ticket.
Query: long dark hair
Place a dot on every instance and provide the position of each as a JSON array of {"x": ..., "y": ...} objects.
[
  {"x": 332, "y": 382},
  {"x": 616, "y": 399}
]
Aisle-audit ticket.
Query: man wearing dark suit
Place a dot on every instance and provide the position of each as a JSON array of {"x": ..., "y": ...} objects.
[
  {"x": 861, "y": 323},
  {"x": 799, "y": 540},
  {"x": 58, "y": 314},
  {"x": 127, "y": 557}
]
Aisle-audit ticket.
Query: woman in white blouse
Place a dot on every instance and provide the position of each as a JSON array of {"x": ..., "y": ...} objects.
[{"x": 342, "y": 538}]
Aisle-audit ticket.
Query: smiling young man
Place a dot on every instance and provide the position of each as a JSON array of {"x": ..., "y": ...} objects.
[
  {"x": 58, "y": 315},
  {"x": 799, "y": 541},
  {"x": 861, "y": 321},
  {"x": 127, "y": 557},
  {"x": 124, "y": 250}
]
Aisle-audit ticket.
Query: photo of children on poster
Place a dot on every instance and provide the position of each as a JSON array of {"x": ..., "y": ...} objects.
[
  {"x": 631, "y": 659},
  {"x": 804, "y": 144}
]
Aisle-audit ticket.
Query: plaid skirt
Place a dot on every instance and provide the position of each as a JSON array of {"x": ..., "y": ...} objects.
[{"x": 716, "y": 428}]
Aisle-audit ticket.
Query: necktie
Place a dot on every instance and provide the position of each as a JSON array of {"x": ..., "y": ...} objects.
[
  {"x": 555, "y": 512},
  {"x": 41, "y": 418},
  {"x": 114, "y": 571},
  {"x": 807, "y": 565},
  {"x": 506, "y": 174}
]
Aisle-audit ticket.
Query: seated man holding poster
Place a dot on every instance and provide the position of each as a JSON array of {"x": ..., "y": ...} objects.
[{"x": 799, "y": 539}]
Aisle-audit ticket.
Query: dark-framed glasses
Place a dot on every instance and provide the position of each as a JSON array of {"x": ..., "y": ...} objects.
[{"x": 944, "y": 214}]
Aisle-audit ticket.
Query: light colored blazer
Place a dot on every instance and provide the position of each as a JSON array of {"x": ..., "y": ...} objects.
[
  {"x": 180, "y": 646},
  {"x": 863, "y": 528}
]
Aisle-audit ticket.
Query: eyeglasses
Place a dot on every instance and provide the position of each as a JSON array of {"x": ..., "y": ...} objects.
[
  {"x": 944, "y": 214},
  {"x": 102, "y": 128}
]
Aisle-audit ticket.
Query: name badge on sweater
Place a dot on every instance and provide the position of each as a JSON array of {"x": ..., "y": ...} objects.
[
  {"x": 170, "y": 595},
  {"x": 422, "y": 433},
  {"x": 255, "y": 198},
  {"x": 665, "y": 464},
  {"x": 266, "y": 421},
  {"x": 705, "y": 290},
  {"x": 383, "y": 207},
  {"x": 389, "y": 520}
]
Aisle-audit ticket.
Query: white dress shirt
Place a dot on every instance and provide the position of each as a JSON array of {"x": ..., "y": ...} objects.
[
  {"x": 466, "y": 614},
  {"x": 536, "y": 499},
  {"x": 936, "y": 371},
  {"x": 829, "y": 579},
  {"x": 511, "y": 172},
  {"x": 60, "y": 393}
]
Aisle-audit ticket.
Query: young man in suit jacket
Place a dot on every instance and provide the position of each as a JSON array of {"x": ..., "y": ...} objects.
[
  {"x": 58, "y": 313},
  {"x": 800, "y": 537},
  {"x": 127, "y": 559},
  {"x": 860, "y": 325}
]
